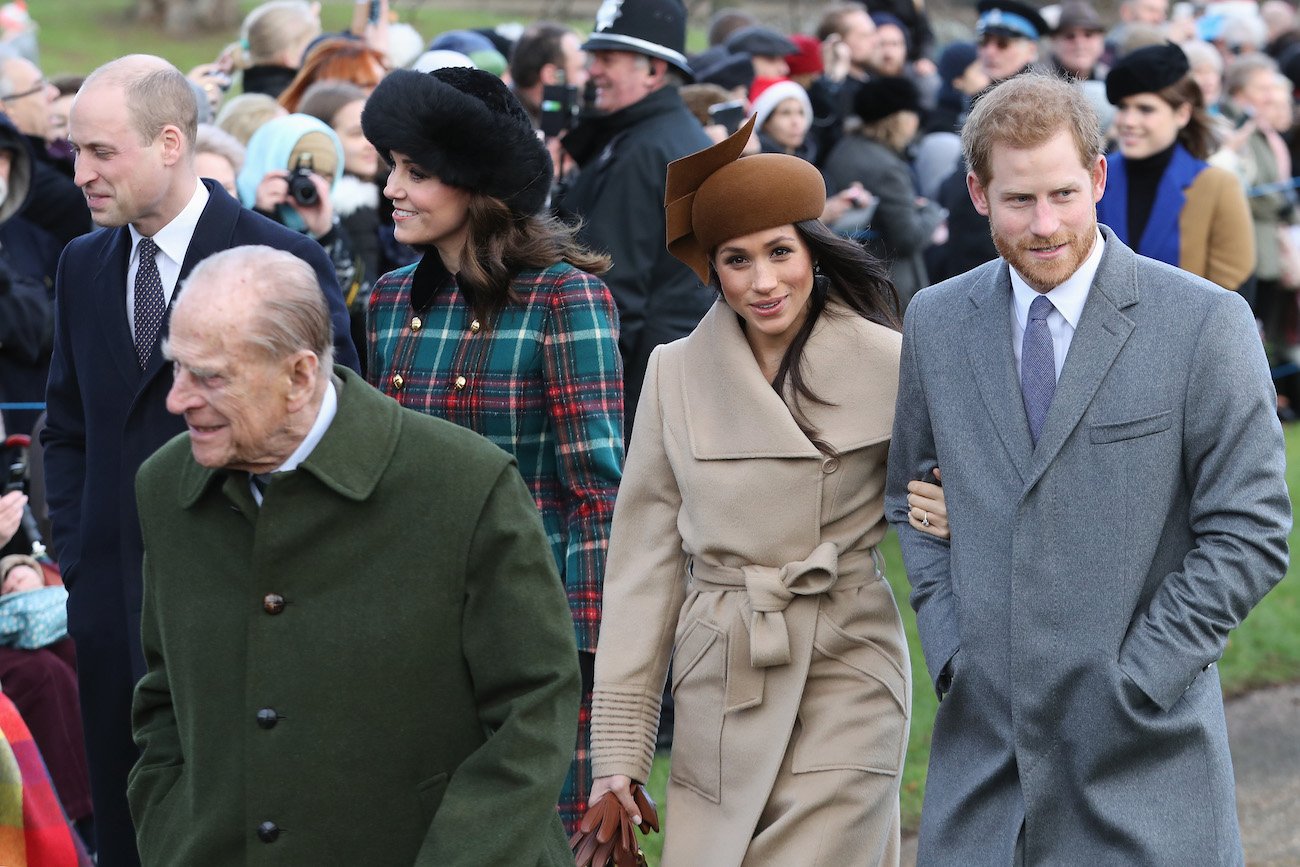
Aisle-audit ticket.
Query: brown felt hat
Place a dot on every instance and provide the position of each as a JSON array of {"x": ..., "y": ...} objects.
[{"x": 715, "y": 195}]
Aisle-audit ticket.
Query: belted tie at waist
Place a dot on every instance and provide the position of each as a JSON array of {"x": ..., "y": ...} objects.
[{"x": 758, "y": 636}]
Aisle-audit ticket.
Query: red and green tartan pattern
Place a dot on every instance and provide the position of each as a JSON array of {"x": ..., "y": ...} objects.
[
  {"x": 34, "y": 832},
  {"x": 544, "y": 381},
  {"x": 577, "y": 785}
]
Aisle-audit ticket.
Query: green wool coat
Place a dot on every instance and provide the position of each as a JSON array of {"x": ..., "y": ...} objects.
[{"x": 415, "y": 698}]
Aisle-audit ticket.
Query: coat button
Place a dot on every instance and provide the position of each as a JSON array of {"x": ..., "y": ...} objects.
[
  {"x": 267, "y": 718},
  {"x": 397, "y": 380},
  {"x": 268, "y": 832},
  {"x": 273, "y": 603},
  {"x": 474, "y": 327},
  {"x": 459, "y": 383},
  {"x": 416, "y": 324},
  {"x": 830, "y": 465}
]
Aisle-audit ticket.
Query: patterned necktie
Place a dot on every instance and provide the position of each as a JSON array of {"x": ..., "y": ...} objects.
[
  {"x": 148, "y": 301},
  {"x": 1037, "y": 366}
]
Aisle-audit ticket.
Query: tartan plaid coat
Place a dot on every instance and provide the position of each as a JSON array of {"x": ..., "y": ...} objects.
[{"x": 544, "y": 381}]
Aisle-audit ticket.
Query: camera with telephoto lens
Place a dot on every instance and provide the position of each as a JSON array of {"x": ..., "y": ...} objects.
[{"x": 301, "y": 187}]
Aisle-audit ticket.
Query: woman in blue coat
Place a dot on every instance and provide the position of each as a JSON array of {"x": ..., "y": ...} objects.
[{"x": 1162, "y": 198}]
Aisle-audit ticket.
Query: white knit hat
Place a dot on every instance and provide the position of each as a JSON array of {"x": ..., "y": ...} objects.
[{"x": 774, "y": 95}]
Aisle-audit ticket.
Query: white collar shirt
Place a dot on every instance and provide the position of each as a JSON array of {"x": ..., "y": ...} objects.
[
  {"x": 1067, "y": 306},
  {"x": 324, "y": 416},
  {"x": 173, "y": 241}
]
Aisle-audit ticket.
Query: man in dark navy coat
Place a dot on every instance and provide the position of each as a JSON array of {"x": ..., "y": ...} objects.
[{"x": 133, "y": 124}]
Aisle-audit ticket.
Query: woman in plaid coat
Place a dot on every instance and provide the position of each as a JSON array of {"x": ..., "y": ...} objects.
[{"x": 502, "y": 327}]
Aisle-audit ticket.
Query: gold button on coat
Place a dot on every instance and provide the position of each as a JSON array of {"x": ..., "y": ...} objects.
[
  {"x": 397, "y": 380},
  {"x": 474, "y": 327},
  {"x": 416, "y": 323},
  {"x": 459, "y": 383}
]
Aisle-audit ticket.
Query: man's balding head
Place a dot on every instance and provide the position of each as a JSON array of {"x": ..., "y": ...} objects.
[
  {"x": 157, "y": 94},
  {"x": 251, "y": 347}
]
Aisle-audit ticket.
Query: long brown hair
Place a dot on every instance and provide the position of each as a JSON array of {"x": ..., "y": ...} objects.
[
  {"x": 1198, "y": 135},
  {"x": 847, "y": 273},
  {"x": 500, "y": 243}
]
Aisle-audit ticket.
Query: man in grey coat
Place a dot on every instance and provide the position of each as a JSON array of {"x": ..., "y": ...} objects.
[{"x": 1113, "y": 469}]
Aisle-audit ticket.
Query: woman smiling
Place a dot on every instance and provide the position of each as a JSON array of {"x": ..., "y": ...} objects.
[
  {"x": 1162, "y": 198},
  {"x": 743, "y": 548}
]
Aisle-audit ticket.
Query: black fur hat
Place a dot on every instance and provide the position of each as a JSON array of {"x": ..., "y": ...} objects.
[{"x": 465, "y": 127}]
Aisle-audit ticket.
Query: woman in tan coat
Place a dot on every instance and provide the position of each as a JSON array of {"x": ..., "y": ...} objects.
[{"x": 743, "y": 545}]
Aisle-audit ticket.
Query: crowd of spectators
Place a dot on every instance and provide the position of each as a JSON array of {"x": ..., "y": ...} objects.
[{"x": 1198, "y": 101}]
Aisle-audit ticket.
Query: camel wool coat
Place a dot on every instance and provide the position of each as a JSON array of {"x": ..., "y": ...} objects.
[{"x": 745, "y": 557}]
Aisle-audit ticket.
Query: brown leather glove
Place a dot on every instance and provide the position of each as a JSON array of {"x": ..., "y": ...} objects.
[{"x": 606, "y": 836}]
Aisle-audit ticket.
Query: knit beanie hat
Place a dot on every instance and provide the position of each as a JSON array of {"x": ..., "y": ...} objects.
[
  {"x": 7, "y": 563},
  {"x": 956, "y": 59},
  {"x": 808, "y": 59},
  {"x": 715, "y": 195},
  {"x": 466, "y": 128},
  {"x": 768, "y": 93}
]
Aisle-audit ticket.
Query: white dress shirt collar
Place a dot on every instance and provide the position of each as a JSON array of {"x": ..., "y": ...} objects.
[
  {"x": 1069, "y": 297},
  {"x": 324, "y": 416},
  {"x": 174, "y": 238}
]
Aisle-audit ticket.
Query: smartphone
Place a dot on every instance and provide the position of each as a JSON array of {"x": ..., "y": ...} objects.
[
  {"x": 1247, "y": 115},
  {"x": 559, "y": 108},
  {"x": 729, "y": 114},
  {"x": 374, "y": 11}
]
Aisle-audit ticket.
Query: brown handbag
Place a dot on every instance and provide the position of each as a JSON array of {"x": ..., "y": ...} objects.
[{"x": 606, "y": 837}]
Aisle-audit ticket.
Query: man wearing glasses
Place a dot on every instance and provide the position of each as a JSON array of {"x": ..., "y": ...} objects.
[
  {"x": 56, "y": 205},
  {"x": 1008, "y": 37}
]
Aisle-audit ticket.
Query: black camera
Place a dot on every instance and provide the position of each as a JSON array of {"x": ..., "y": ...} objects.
[
  {"x": 301, "y": 187},
  {"x": 559, "y": 109},
  {"x": 729, "y": 114}
]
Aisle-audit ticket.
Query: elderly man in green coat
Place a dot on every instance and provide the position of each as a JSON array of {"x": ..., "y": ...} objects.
[{"x": 358, "y": 649}]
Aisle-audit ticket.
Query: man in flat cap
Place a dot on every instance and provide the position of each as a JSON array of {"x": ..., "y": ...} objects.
[
  {"x": 623, "y": 150},
  {"x": 1114, "y": 475},
  {"x": 766, "y": 48},
  {"x": 1078, "y": 42},
  {"x": 356, "y": 654}
]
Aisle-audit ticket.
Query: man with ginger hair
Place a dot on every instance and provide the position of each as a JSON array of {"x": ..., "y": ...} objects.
[
  {"x": 133, "y": 126},
  {"x": 1113, "y": 468},
  {"x": 324, "y": 604}
]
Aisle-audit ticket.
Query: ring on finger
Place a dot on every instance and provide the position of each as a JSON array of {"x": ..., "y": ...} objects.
[{"x": 925, "y": 519}]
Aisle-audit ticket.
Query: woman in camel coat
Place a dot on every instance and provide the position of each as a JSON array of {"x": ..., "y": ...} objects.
[{"x": 743, "y": 547}]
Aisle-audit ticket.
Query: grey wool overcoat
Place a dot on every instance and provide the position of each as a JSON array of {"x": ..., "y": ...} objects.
[
  {"x": 1092, "y": 581},
  {"x": 377, "y": 667}
]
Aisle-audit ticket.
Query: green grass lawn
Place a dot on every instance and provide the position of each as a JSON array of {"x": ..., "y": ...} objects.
[
  {"x": 78, "y": 35},
  {"x": 1263, "y": 652}
]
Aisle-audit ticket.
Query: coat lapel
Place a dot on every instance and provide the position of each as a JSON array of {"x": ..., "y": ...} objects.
[
  {"x": 111, "y": 299},
  {"x": 212, "y": 233},
  {"x": 732, "y": 412},
  {"x": 1103, "y": 330},
  {"x": 988, "y": 344}
]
